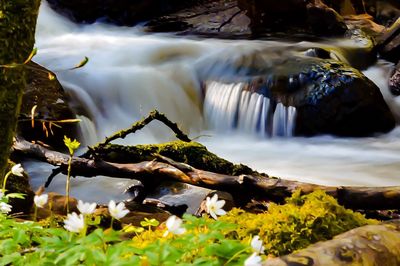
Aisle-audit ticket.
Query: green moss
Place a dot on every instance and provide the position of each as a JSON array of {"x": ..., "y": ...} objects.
[
  {"x": 17, "y": 36},
  {"x": 191, "y": 153},
  {"x": 303, "y": 220}
]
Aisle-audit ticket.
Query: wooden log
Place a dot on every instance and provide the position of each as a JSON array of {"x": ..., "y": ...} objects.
[
  {"x": 367, "y": 245},
  {"x": 241, "y": 186}
]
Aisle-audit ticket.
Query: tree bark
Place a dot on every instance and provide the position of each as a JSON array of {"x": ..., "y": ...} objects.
[
  {"x": 262, "y": 187},
  {"x": 17, "y": 37},
  {"x": 367, "y": 245}
]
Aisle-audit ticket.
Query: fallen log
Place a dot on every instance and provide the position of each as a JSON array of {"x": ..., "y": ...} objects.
[
  {"x": 367, "y": 245},
  {"x": 242, "y": 187}
]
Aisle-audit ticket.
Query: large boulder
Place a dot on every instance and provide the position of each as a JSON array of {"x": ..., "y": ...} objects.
[
  {"x": 44, "y": 91},
  {"x": 329, "y": 97},
  {"x": 385, "y": 12},
  {"x": 120, "y": 12},
  {"x": 310, "y": 16}
]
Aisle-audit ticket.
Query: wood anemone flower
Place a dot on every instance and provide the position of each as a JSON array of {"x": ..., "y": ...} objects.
[
  {"x": 17, "y": 170},
  {"x": 74, "y": 223},
  {"x": 117, "y": 211},
  {"x": 174, "y": 226},
  {"x": 86, "y": 208},
  {"x": 253, "y": 260},
  {"x": 5, "y": 208},
  {"x": 214, "y": 206},
  {"x": 41, "y": 200},
  {"x": 257, "y": 245}
]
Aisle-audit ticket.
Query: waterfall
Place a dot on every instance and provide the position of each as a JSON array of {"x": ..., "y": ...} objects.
[{"x": 231, "y": 106}]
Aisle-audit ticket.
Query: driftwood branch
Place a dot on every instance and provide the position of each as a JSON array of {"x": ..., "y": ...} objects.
[
  {"x": 153, "y": 115},
  {"x": 367, "y": 245},
  {"x": 254, "y": 186}
]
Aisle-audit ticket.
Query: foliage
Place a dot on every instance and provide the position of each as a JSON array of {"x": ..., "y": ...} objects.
[
  {"x": 303, "y": 220},
  {"x": 205, "y": 241}
]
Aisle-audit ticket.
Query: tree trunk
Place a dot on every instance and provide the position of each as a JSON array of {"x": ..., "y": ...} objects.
[
  {"x": 17, "y": 37},
  {"x": 367, "y": 245}
]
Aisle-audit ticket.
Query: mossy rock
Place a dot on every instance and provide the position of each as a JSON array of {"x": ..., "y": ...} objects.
[
  {"x": 192, "y": 153},
  {"x": 52, "y": 105}
]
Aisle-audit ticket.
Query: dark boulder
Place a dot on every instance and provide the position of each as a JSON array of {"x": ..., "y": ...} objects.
[
  {"x": 44, "y": 90},
  {"x": 385, "y": 12},
  {"x": 120, "y": 12},
  {"x": 310, "y": 16},
  {"x": 330, "y": 97}
]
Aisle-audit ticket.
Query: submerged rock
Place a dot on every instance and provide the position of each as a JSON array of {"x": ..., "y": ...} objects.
[
  {"x": 329, "y": 97},
  {"x": 44, "y": 90}
]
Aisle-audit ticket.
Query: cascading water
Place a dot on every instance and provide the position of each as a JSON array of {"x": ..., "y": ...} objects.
[
  {"x": 130, "y": 73},
  {"x": 230, "y": 106}
]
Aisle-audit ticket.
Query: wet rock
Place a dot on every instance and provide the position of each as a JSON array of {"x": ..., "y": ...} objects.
[
  {"x": 385, "y": 12},
  {"x": 120, "y": 12},
  {"x": 308, "y": 16},
  {"x": 44, "y": 90},
  {"x": 394, "y": 82},
  {"x": 210, "y": 18},
  {"x": 330, "y": 97},
  {"x": 389, "y": 46}
]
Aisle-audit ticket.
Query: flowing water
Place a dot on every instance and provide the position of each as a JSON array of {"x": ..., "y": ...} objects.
[{"x": 130, "y": 73}]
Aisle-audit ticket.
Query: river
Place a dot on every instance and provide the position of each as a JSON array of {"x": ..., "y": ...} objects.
[{"x": 130, "y": 73}]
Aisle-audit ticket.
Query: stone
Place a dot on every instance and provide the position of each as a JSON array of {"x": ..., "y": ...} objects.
[
  {"x": 44, "y": 90},
  {"x": 394, "y": 81},
  {"x": 330, "y": 97},
  {"x": 120, "y": 12}
]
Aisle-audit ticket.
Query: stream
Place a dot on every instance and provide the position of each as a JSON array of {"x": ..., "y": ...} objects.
[{"x": 131, "y": 72}]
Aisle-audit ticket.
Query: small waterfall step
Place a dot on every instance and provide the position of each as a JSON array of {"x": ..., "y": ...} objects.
[{"x": 231, "y": 106}]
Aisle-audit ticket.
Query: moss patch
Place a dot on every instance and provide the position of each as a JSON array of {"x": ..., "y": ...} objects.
[{"x": 303, "y": 220}]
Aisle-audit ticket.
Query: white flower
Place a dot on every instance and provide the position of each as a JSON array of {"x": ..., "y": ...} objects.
[
  {"x": 17, "y": 170},
  {"x": 174, "y": 226},
  {"x": 86, "y": 208},
  {"x": 117, "y": 211},
  {"x": 41, "y": 200},
  {"x": 253, "y": 260},
  {"x": 1, "y": 194},
  {"x": 257, "y": 245},
  {"x": 5, "y": 208},
  {"x": 214, "y": 206},
  {"x": 74, "y": 223}
]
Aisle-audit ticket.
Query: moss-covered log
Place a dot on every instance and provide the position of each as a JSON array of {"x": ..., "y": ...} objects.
[
  {"x": 367, "y": 245},
  {"x": 17, "y": 37},
  {"x": 192, "y": 153}
]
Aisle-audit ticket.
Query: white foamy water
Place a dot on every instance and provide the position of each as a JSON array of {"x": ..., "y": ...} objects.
[{"x": 130, "y": 73}]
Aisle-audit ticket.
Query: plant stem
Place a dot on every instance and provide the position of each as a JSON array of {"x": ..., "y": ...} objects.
[
  {"x": 4, "y": 182},
  {"x": 67, "y": 186},
  {"x": 35, "y": 214},
  {"x": 236, "y": 255},
  {"x": 112, "y": 221}
]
